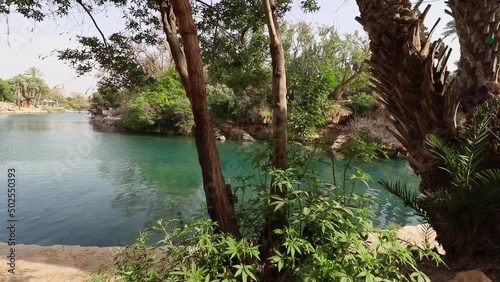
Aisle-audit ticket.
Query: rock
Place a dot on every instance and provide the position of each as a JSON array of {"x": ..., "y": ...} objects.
[
  {"x": 420, "y": 235},
  {"x": 239, "y": 134},
  {"x": 218, "y": 135},
  {"x": 471, "y": 276},
  {"x": 245, "y": 137},
  {"x": 341, "y": 139},
  {"x": 339, "y": 115}
]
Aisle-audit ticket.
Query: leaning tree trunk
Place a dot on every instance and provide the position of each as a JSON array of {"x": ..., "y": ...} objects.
[
  {"x": 276, "y": 220},
  {"x": 412, "y": 84},
  {"x": 189, "y": 66}
]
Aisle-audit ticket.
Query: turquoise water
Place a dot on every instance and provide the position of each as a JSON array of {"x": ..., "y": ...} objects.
[{"x": 78, "y": 185}]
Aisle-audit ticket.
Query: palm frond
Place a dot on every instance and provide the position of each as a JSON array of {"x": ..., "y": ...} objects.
[
  {"x": 488, "y": 177},
  {"x": 406, "y": 195},
  {"x": 463, "y": 161}
]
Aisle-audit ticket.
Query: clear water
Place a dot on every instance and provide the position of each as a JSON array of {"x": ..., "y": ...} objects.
[{"x": 80, "y": 186}]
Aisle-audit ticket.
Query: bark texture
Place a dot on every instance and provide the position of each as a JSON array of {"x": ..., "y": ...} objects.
[
  {"x": 411, "y": 86},
  {"x": 189, "y": 65},
  {"x": 279, "y": 149},
  {"x": 478, "y": 30}
]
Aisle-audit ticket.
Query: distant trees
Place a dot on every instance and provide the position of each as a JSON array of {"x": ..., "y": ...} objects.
[
  {"x": 29, "y": 86},
  {"x": 6, "y": 93},
  {"x": 321, "y": 57}
]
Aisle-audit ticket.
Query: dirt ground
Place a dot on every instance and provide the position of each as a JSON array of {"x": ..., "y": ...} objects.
[{"x": 54, "y": 263}]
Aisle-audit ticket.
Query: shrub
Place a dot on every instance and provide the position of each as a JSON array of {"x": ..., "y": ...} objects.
[
  {"x": 6, "y": 93},
  {"x": 220, "y": 99},
  {"x": 361, "y": 102},
  {"x": 463, "y": 209},
  {"x": 378, "y": 128},
  {"x": 178, "y": 118},
  {"x": 247, "y": 107},
  {"x": 325, "y": 239},
  {"x": 162, "y": 108}
]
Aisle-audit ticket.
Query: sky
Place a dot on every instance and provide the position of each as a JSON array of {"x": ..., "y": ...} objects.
[{"x": 24, "y": 43}]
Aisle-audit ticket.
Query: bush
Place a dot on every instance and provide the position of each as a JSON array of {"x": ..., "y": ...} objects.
[
  {"x": 220, "y": 99},
  {"x": 361, "y": 102},
  {"x": 464, "y": 209},
  {"x": 248, "y": 107},
  {"x": 6, "y": 93},
  {"x": 178, "y": 118},
  {"x": 326, "y": 238},
  {"x": 162, "y": 108},
  {"x": 326, "y": 241},
  {"x": 377, "y": 128}
]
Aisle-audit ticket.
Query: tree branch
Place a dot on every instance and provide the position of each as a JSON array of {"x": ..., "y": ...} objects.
[{"x": 95, "y": 23}]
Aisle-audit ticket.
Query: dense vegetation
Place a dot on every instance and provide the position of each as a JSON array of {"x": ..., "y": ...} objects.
[{"x": 320, "y": 70}]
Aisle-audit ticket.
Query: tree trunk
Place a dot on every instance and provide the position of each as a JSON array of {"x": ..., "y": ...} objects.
[
  {"x": 411, "y": 87},
  {"x": 218, "y": 194},
  {"x": 477, "y": 24},
  {"x": 338, "y": 92},
  {"x": 277, "y": 220},
  {"x": 170, "y": 28}
]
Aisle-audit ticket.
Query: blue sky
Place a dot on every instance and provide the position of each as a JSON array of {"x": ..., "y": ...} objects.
[{"x": 32, "y": 44}]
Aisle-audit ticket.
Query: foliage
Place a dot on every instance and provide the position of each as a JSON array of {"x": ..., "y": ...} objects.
[
  {"x": 220, "y": 100},
  {"x": 377, "y": 128},
  {"x": 469, "y": 205},
  {"x": 251, "y": 106},
  {"x": 321, "y": 61},
  {"x": 234, "y": 44},
  {"x": 162, "y": 107},
  {"x": 303, "y": 121},
  {"x": 361, "y": 102},
  {"x": 77, "y": 102},
  {"x": 6, "y": 93},
  {"x": 29, "y": 85},
  {"x": 117, "y": 59},
  {"x": 325, "y": 240},
  {"x": 107, "y": 95},
  {"x": 450, "y": 30},
  {"x": 196, "y": 253}
]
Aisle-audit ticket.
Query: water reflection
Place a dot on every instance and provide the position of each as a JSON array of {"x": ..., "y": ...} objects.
[{"x": 87, "y": 187}]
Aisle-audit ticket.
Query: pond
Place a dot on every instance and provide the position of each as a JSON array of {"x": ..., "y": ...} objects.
[{"x": 76, "y": 185}]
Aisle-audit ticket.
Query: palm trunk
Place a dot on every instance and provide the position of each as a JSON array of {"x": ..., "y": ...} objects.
[
  {"x": 478, "y": 30},
  {"x": 189, "y": 66},
  {"x": 413, "y": 87}
]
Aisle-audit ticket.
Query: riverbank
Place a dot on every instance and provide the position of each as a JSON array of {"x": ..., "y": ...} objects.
[
  {"x": 13, "y": 109},
  {"x": 60, "y": 263},
  {"x": 56, "y": 263}
]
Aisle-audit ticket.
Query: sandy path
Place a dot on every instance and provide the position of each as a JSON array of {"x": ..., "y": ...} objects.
[{"x": 54, "y": 263}]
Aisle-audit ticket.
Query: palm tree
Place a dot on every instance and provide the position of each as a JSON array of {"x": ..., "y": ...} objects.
[
  {"x": 19, "y": 84},
  {"x": 412, "y": 85},
  {"x": 450, "y": 30},
  {"x": 33, "y": 72}
]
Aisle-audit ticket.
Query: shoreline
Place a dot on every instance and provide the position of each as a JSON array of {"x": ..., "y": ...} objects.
[{"x": 56, "y": 263}]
